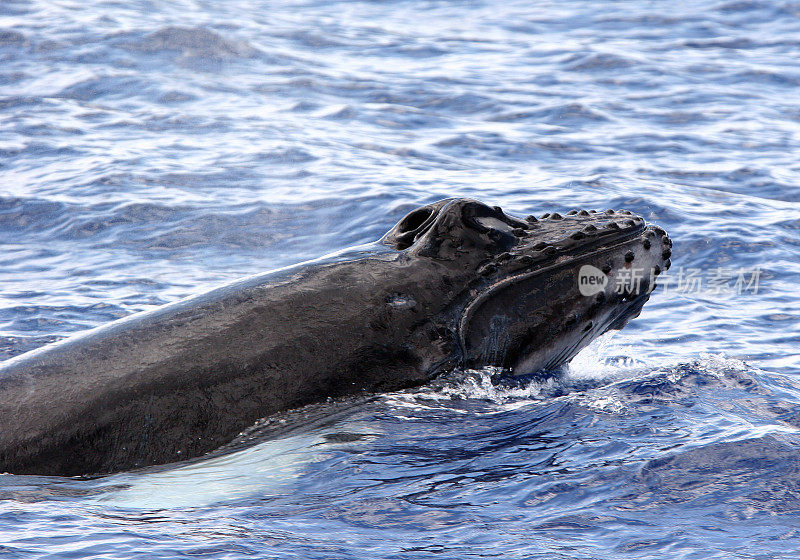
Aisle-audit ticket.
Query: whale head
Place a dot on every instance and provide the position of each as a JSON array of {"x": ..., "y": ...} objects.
[{"x": 542, "y": 287}]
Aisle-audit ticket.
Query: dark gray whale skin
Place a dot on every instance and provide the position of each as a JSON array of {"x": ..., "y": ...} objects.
[{"x": 454, "y": 283}]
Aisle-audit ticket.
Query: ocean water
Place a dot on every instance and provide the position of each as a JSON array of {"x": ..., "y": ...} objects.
[{"x": 151, "y": 150}]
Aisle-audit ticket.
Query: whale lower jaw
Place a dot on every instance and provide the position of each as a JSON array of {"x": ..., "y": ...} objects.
[{"x": 538, "y": 319}]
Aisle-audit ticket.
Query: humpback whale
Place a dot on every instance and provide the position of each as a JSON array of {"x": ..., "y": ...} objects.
[{"x": 455, "y": 283}]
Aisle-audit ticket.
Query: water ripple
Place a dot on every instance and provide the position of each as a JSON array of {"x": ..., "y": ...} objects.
[{"x": 149, "y": 151}]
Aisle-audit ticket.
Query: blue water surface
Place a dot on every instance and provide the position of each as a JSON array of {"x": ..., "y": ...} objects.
[{"x": 150, "y": 150}]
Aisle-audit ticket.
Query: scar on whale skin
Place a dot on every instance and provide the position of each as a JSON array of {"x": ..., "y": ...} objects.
[{"x": 453, "y": 283}]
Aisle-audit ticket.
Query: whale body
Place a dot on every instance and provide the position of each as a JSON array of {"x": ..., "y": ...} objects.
[{"x": 456, "y": 283}]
